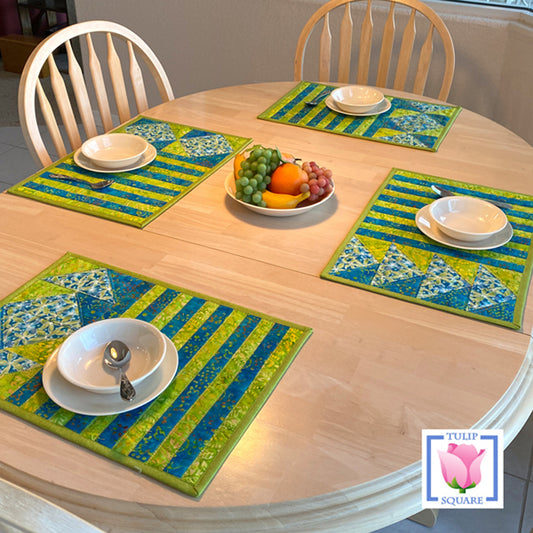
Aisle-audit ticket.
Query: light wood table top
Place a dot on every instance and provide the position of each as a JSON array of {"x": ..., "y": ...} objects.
[{"x": 338, "y": 443}]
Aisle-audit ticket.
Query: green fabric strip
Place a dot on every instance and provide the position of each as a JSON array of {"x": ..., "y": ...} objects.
[
  {"x": 186, "y": 156},
  {"x": 408, "y": 122},
  {"x": 231, "y": 358},
  {"x": 385, "y": 252}
]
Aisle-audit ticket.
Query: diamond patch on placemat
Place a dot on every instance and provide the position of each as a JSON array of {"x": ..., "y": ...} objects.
[
  {"x": 40, "y": 319},
  {"x": 12, "y": 362},
  {"x": 157, "y": 133},
  {"x": 206, "y": 148},
  {"x": 95, "y": 283}
]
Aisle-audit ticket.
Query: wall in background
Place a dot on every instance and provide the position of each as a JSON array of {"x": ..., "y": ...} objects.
[{"x": 213, "y": 43}]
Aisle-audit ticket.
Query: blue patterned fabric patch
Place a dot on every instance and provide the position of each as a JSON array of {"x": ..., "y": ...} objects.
[{"x": 386, "y": 252}]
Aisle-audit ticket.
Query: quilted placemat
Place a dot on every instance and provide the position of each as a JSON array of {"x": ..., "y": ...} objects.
[
  {"x": 185, "y": 157},
  {"x": 230, "y": 360},
  {"x": 385, "y": 252},
  {"x": 411, "y": 123}
]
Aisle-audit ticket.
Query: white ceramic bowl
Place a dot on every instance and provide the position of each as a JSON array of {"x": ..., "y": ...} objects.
[
  {"x": 81, "y": 357},
  {"x": 230, "y": 190},
  {"x": 114, "y": 150},
  {"x": 357, "y": 98},
  {"x": 466, "y": 218}
]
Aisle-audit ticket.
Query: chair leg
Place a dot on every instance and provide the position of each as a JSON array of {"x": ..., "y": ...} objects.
[{"x": 426, "y": 517}]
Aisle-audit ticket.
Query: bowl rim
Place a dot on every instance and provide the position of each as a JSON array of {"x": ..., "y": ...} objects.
[
  {"x": 462, "y": 198},
  {"x": 380, "y": 96},
  {"x": 61, "y": 354},
  {"x": 137, "y": 139}
]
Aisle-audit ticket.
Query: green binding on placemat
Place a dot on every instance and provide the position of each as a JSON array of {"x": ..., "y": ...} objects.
[
  {"x": 230, "y": 360},
  {"x": 186, "y": 156},
  {"x": 410, "y": 123},
  {"x": 385, "y": 252}
]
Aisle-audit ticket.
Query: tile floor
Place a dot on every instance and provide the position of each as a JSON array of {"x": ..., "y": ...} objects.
[{"x": 517, "y": 516}]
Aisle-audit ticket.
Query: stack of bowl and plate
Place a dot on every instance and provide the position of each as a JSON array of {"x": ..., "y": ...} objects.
[
  {"x": 358, "y": 101},
  {"x": 114, "y": 152},
  {"x": 77, "y": 378},
  {"x": 465, "y": 222}
]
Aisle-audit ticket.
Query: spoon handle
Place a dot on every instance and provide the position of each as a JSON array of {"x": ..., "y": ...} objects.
[{"x": 127, "y": 392}]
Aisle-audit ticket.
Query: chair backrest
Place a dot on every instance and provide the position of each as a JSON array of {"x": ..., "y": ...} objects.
[
  {"x": 72, "y": 99},
  {"x": 418, "y": 12}
]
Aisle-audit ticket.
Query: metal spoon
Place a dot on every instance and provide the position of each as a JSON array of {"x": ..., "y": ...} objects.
[
  {"x": 116, "y": 355},
  {"x": 441, "y": 191},
  {"x": 98, "y": 185},
  {"x": 315, "y": 101}
]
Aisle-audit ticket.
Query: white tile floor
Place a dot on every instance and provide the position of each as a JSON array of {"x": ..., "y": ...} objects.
[{"x": 517, "y": 516}]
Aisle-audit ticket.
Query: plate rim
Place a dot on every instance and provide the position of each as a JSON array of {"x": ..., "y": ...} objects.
[
  {"x": 333, "y": 107},
  {"x": 51, "y": 370},
  {"x": 442, "y": 238},
  {"x": 148, "y": 156}
]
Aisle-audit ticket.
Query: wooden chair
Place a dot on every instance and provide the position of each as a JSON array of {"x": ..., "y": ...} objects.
[
  {"x": 74, "y": 100},
  {"x": 418, "y": 11}
]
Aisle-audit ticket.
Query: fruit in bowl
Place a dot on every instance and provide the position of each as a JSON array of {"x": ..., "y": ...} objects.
[{"x": 267, "y": 178}]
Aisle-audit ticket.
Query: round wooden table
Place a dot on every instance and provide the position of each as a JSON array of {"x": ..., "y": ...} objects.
[{"x": 337, "y": 446}]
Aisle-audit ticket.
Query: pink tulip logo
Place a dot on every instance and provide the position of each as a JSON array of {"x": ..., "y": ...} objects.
[{"x": 461, "y": 466}]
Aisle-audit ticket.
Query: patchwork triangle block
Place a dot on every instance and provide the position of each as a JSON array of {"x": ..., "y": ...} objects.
[
  {"x": 441, "y": 279},
  {"x": 11, "y": 362},
  {"x": 488, "y": 291},
  {"x": 394, "y": 268},
  {"x": 94, "y": 283}
]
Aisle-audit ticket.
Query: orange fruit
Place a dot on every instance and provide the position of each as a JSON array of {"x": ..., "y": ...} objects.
[{"x": 287, "y": 179}]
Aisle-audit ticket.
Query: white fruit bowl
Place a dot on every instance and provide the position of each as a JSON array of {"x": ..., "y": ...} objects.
[
  {"x": 80, "y": 359},
  {"x": 466, "y": 218},
  {"x": 114, "y": 150},
  {"x": 268, "y": 211}
]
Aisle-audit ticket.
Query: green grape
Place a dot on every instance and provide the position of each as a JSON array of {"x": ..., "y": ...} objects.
[{"x": 255, "y": 172}]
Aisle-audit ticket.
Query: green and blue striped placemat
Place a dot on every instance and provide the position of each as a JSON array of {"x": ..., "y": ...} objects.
[
  {"x": 185, "y": 157},
  {"x": 385, "y": 252},
  {"x": 230, "y": 360},
  {"x": 410, "y": 123}
]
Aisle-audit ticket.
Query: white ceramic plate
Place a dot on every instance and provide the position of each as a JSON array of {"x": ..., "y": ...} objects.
[
  {"x": 428, "y": 227},
  {"x": 382, "y": 107},
  {"x": 87, "y": 164},
  {"x": 229, "y": 184},
  {"x": 84, "y": 402}
]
